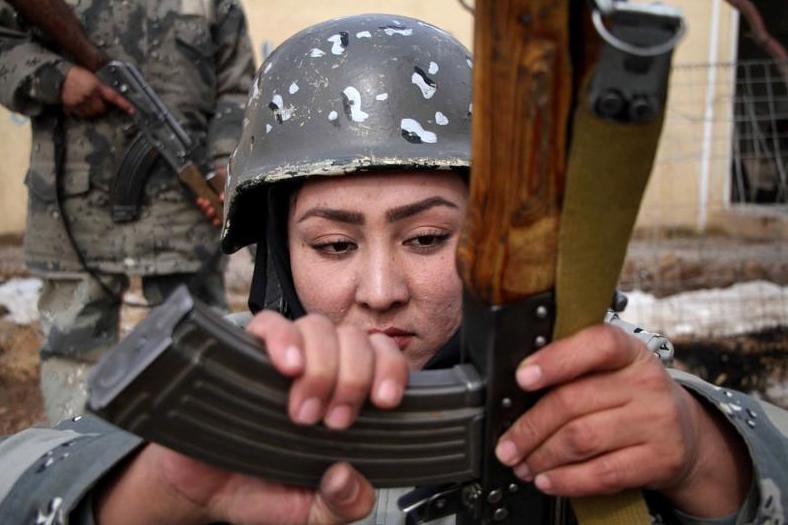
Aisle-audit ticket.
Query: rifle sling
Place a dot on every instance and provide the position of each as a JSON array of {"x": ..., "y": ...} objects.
[{"x": 604, "y": 186}]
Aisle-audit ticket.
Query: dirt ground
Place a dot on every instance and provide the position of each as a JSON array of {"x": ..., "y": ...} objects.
[
  {"x": 20, "y": 399},
  {"x": 664, "y": 266}
]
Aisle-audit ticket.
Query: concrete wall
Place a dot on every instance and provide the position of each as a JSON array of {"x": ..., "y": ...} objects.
[
  {"x": 14, "y": 155},
  {"x": 691, "y": 177}
]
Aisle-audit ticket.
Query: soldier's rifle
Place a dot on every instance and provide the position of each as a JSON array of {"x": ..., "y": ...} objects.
[
  {"x": 161, "y": 133},
  {"x": 551, "y": 208}
]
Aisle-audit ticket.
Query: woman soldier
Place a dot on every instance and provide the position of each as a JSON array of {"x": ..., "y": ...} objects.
[{"x": 351, "y": 177}]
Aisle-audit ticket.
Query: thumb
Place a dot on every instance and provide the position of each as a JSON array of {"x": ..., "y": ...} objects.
[{"x": 344, "y": 496}]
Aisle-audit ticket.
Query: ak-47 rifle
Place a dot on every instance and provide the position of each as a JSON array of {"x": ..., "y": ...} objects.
[
  {"x": 550, "y": 212},
  {"x": 161, "y": 133}
]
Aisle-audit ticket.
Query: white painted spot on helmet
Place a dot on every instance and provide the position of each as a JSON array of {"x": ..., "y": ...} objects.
[
  {"x": 353, "y": 104},
  {"x": 441, "y": 119},
  {"x": 382, "y": 96},
  {"x": 433, "y": 68},
  {"x": 396, "y": 31},
  {"x": 363, "y": 34},
  {"x": 268, "y": 128},
  {"x": 316, "y": 53},
  {"x": 412, "y": 131},
  {"x": 267, "y": 68},
  {"x": 426, "y": 86},
  {"x": 333, "y": 115},
  {"x": 470, "y": 108},
  {"x": 281, "y": 112},
  {"x": 339, "y": 43},
  {"x": 468, "y": 61},
  {"x": 293, "y": 88}
]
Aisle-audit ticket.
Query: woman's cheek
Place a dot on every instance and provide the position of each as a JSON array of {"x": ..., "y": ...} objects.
[
  {"x": 324, "y": 290},
  {"x": 441, "y": 294}
]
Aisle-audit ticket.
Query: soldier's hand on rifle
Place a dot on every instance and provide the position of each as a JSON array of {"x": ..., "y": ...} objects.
[
  {"x": 612, "y": 418},
  {"x": 84, "y": 95},
  {"x": 162, "y": 486},
  {"x": 220, "y": 173},
  {"x": 334, "y": 370},
  {"x": 208, "y": 210}
]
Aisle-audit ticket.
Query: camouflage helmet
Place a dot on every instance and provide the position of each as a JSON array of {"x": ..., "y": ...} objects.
[{"x": 360, "y": 93}]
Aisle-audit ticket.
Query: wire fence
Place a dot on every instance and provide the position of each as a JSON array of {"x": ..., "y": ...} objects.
[
  {"x": 721, "y": 295},
  {"x": 736, "y": 113}
]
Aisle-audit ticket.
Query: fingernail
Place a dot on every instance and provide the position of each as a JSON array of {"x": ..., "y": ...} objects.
[
  {"x": 523, "y": 472},
  {"x": 389, "y": 392},
  {"x": 528, "y": 377},
  {"x": 293, "y": 359},
  {"x": 309, "y": 413},
  {"x": 346, "y": 487},
  {"x": 507, "y": 452},
  {"x": 339, "y": 417},
  {"x": 542, "y": 482}
]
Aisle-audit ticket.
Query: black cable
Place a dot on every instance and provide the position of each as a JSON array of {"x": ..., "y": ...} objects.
[{"x": 58, "y": 138}]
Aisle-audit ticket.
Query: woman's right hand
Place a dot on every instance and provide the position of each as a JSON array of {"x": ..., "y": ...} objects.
[{"x": 334, "y": 370}]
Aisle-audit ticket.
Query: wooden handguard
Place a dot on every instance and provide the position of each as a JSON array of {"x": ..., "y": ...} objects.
[
  {"x": 521, "y": 98},
  {"x": 193, "y": 178}
]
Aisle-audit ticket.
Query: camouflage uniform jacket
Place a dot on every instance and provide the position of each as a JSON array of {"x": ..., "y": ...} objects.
[
  {"x": 196, "y": 54},
  {"x": 48, "y": 474}
]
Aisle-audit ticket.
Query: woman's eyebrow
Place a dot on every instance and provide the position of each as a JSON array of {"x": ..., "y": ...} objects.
[
  {"x": 349, "y": 217},
  {"x": 402, "y": 212}
]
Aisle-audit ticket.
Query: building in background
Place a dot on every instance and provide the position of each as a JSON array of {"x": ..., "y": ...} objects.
[
  {"x": 722, "y": 164},
  {"x": 724, "y": 152}
]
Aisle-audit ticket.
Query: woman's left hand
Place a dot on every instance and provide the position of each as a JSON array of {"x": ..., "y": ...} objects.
[{"x": 612, "y": 419}]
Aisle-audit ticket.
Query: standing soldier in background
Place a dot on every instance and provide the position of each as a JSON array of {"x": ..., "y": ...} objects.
[{"x": 196, "y": 54}]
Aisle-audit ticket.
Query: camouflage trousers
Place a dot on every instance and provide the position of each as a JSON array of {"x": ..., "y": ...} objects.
[{"x": 80, "y": 322}]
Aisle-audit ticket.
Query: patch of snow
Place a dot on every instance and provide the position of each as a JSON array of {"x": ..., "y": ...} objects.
[
  {"x": 718, "y": 312},
  {"x": 20, "y": 297}
]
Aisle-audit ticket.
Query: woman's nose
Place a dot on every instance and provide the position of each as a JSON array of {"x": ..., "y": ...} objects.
[{"x": 382, "y": 283}]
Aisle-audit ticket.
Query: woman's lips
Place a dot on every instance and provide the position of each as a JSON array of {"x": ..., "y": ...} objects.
[{"x": 401, "y": 337}]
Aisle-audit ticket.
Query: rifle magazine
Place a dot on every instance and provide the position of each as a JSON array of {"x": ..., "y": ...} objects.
[{"x": 189, "y": 380}]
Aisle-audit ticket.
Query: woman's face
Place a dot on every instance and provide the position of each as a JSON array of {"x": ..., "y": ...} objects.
[{"x": 377, "y": 251}]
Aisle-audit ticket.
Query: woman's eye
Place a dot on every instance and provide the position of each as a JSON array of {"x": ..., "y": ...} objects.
[
  {"x": 335, "y": 248},
  {"x": 429, "y": 240}
]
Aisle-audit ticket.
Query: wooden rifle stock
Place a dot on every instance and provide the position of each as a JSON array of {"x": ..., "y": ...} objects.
[
  {"x": 507, "y": 255},
  {"x": 528, "y": 75},
  {"x": 521, "y": 95}
]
